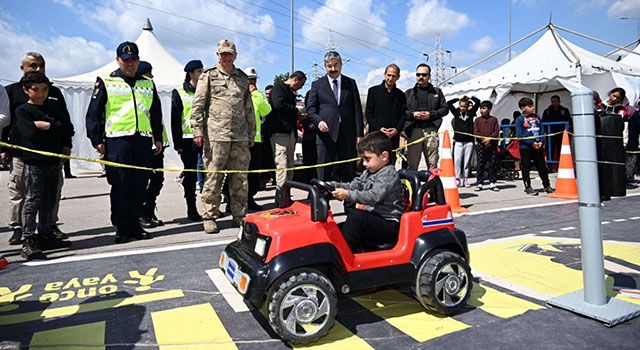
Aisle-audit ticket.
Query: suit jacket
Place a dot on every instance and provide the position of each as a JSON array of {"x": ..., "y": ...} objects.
[{"x": 322, "y": 106}]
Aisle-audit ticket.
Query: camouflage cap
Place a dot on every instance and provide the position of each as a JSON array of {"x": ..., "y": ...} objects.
[{"x": 226, "y": 45}]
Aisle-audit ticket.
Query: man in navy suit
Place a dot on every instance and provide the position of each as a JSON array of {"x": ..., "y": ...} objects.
[{"x": 334, "y": 108}]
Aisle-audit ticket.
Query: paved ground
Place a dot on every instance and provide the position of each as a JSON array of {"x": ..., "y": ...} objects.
[{"x": 168, "y": 291}]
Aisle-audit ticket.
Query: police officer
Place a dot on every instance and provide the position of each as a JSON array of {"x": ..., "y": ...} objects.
[
  {"x": 156, "y": 179},
  {"x": 123, "y": 117},
  {"x": 181, "y": 101},
  {"x": 226, "y": 131}
]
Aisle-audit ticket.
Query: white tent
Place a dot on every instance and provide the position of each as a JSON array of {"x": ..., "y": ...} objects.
[
  {"x": 543, "y": 70},
  {"x": 167, "y": 74},
  {"x": 632, "y": 59}
]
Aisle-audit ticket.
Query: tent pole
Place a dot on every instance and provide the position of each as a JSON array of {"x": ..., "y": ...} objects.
[
  {"x": 620, "y": 48},
  {"x": 495, "y": 53}
]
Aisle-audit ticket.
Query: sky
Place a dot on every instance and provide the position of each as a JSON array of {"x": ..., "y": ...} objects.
[{"x": 78, "y": 36}]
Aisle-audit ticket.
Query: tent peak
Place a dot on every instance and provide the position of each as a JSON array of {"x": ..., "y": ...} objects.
[{"x": 147, "y": 25}]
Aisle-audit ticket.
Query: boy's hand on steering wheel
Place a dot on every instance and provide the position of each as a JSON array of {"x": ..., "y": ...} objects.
[{"x": 340, "y": 194}]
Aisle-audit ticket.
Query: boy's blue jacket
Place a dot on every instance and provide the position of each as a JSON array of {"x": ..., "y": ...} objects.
[{"x": 527, "y": 126}]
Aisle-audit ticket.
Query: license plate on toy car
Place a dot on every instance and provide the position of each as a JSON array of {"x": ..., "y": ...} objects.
[{"x": 238, "y": 279}]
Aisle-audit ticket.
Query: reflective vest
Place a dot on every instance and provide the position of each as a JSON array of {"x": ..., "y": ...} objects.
[
  {"x": 187, "y": 101},
  {"x": 127, "y": 108}
]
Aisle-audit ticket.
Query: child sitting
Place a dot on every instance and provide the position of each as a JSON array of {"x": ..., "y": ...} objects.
[
  {"x": 528, "y": 127},
  {"x": 377, "y": 195}
]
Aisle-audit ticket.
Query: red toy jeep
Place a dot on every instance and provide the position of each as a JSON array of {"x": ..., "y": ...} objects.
[{"x": 296, "y": 260}]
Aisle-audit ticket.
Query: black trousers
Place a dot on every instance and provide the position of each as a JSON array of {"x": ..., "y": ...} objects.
[
  {"x": 329, "y": 151},
  {"x": 254, "y": 164},
  {"x": 362, "y": 227},
  {"x": 128, "y": 186},
  {"x": 156, "y": 181},
  {"x": 487, "y": 167},
  {"x": 537, "y": 156},
  {"x": 189, "y": 158},
  {"x": 41, "y": 182}
]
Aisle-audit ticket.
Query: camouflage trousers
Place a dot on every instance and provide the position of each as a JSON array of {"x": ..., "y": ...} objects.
[{"x": 225, "y": 155}]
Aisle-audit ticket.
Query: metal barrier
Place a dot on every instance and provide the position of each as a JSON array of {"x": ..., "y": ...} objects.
[{"x": 546, "y": 131}]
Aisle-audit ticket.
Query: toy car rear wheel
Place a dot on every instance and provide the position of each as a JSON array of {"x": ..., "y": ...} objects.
[
  {"x": 443, "y": 283},
  {"x": 302, "y": 307}
]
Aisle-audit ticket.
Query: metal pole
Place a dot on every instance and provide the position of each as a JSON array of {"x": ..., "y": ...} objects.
[
  {"x": 510, "y": 30},
  {"x": 588, "y": 198},
  {"x": 292, "y": 54}
]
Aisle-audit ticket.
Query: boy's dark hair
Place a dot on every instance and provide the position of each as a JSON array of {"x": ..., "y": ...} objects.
[
  {"x": 525, "y": 101},
  {"x": 486, "y": 103},
  {"x": 375, "y": 142},
  {"x": 516, "y": 114},
  {"x": 298, "y": 75},
  {"x": 268, "y": 87},
  {"x": 32, "y": 78},
  {"x": 619, "y": 90},
  {"x": 555, "y": 96}
]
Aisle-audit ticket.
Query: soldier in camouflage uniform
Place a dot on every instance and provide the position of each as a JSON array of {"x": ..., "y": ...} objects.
[{"x": 225, "y": 130}]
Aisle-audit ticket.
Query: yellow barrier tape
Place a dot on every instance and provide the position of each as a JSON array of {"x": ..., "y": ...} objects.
[{"x": 259, "y": 171}]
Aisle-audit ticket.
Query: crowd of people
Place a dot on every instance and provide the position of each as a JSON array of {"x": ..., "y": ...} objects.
[{"x": 220, "y": 120}]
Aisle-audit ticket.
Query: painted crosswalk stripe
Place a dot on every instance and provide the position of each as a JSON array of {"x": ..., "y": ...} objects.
[
  {"x": 89, "y": 307},
  {"x": 339, "y": 337},
  {"x": 90, "y": 336},
  {"x": 619, "y": 220},
  {"x": 568, "y": 228},
  {"x": 498, "y": 303},
  {"x": 408, "y": 316},
  {"x": 634, "y": 218},
  {"x": 230, "y": 294},
  {"x": 190, "y": 327},
  {"x": 605, "y": 222},
  {"x": 547, "y": 231}
]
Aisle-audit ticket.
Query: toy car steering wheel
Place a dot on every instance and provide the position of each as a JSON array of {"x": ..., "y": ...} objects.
[{"x": 324, "y": 188}]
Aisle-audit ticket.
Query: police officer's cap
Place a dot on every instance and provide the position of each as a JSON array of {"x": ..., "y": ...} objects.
[
  {"x": 251, "y": 73},
  {"x": 144, "y": 68},
  {"x": 127, "y": 50},
  {"x": 193, "y": 65}
]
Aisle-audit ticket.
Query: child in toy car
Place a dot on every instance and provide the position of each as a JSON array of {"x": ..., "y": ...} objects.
[{"x": 377, "y": 195}]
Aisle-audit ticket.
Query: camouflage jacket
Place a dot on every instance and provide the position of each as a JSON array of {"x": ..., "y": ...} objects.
[{"x": 222, "y": 108}]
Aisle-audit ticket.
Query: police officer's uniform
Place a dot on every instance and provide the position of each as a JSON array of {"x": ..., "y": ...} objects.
[
  {"x": 226, "y": 130},
  {"x": 124, "y": 114},
  {"x": 181, "y": 101}
]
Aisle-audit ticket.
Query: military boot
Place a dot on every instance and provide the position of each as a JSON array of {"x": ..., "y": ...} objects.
[
  {"x": 210, "y": 227},
  {"x": 49, "y": 241},
  {"x": 16, "y": 236}
]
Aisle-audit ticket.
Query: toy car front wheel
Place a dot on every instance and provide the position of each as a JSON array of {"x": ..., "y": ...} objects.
[
  {"x": 302, "y": 307},
  {"x": 443, "y": 283}
]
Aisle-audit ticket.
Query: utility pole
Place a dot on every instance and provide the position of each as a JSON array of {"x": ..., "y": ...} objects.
[
  {"x": 510, "y": 1},
  {"x": 438, "y": 74},
  {"x": 292, "y": 49},
  {"x": 315, "y": 72}
]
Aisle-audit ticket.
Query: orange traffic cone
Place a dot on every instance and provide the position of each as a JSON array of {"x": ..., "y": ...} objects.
[
  {"x": 448, "y": 177},
  {"x": 566, "y": 185}
]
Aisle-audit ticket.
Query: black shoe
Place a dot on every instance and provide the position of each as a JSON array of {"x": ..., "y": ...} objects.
[
  {"x": 147, "y": 222},
  {"x": 157, "y": 222},
  {"x": 236, "y": 222},
  {"x": 51, "y": 242},
  {"x": 530, "y": 191},
  {"x": 16, "y": 236},
  {"x": 121, "y": 238},
  {"x": 31, "y": 251},
  {"x": 55, "y": 230},
  {"x": 140, "y": 233},
  {"x": 192, "y": 213},
  {"x": 70, "y": 176},
  {"x": 549, "y": 189},
  {"x": 252, "y": 205}
]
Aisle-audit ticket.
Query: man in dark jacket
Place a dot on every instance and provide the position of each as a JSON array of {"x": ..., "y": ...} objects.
[
  {"x": 31, "y": 62},
  {"x": 282, "y": 124},
  {"x": 556, "y": 113},
  {"x": 426, "y": 106},
  {"x": 386, "y": 105}
]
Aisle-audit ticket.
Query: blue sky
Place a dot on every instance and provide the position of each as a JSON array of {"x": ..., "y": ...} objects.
[{"x": 77, "y": 36}]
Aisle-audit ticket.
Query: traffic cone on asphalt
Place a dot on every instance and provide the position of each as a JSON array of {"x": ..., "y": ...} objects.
[
  {"x": 566, "y": 185},
  {"x": 448, "y": 177}
]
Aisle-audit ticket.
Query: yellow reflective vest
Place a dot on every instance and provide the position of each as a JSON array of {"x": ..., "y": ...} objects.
[
  {"x": 127, "y": 108},
  {"x": 187, "y": 102}
]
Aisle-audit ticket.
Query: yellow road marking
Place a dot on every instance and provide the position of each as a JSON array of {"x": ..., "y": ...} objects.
[
  {"x": 88, "y": 336},
  {"x": 191, "y": 327},
  {"x": 627, "y": 251},
  {"x": 339, "y": 337},
  {"x": 498, "y": 303},
  {"x": 408, "y": 316},
  {"x": 89, "y": 307},
  {"x": 537, "y": 272}
]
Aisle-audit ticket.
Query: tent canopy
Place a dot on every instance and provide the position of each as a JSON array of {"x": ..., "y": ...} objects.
[
  {"x": 167, "y": 70},
  {"x": 632, "y": 59}
]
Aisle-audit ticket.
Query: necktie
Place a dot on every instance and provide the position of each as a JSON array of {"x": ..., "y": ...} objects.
[{"x": 335, "y": 90}]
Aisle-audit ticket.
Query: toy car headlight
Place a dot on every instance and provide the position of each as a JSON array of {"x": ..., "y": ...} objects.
[
  {"x": 240, "y": 232},
  {"x": 260, "y": 248}
]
